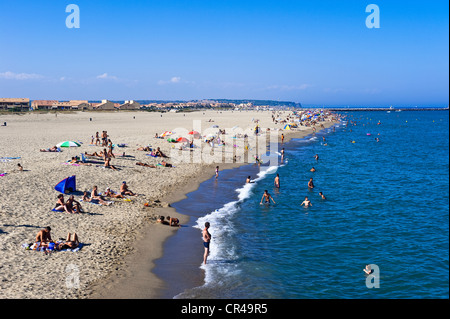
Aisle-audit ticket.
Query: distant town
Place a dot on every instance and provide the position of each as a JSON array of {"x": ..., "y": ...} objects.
[{"x": 25, "y": 104}]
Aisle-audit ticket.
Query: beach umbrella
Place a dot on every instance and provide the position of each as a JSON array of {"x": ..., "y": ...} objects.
[
  {"x": 182, "y": 140},
  {"x": 193, "y": 133},
  {"x": 287, "y": 127},
  {"x": 166, "y": 133},
  {"x": 68, "y": 144},
  {"x": 171, "y": 140}
]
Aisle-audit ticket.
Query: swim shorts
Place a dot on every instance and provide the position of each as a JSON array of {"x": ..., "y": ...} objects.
[{"x": 206, "y": 244}]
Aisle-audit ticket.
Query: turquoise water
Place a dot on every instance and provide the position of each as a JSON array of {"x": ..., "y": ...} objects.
[{"x": 386, "y": 204}]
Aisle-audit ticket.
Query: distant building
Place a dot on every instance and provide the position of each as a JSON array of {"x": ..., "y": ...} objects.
[
  {"x": 105, "y": 105},
  {"x": 70, "y": 105},
  {"x": 10, "y": 103},
  {"x": 42, "y": 104},
  {"x": 130, "y": 105}
]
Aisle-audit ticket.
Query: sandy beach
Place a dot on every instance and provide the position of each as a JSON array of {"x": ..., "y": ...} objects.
[{"x": 120, "y": 240}]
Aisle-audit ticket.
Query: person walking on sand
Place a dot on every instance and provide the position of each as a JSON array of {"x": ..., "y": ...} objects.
[{"x": 206, "y": 241}]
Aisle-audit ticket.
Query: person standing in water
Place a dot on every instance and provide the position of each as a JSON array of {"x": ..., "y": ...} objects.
[
  {"x": 277, "y": 181},
  {"x": 217, "y": 172},
  {"x": 306, "y": 202},
  {"x": 206, "y": 241},
  {"x": 266, "y": 197},
  {"x": 310, "y": 183}
]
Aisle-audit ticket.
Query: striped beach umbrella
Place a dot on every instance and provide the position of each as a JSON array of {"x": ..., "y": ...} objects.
[{"x": 68, "y": 144}]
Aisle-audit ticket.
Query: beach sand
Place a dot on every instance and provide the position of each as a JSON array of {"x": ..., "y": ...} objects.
[{"x": 120, "y": 241}]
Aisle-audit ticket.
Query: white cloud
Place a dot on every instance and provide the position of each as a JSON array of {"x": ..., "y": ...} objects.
[
  {"x": 175, "y": 79},
  {"x": 105, "y": 76},
  {"x": 19, "y": 76}
]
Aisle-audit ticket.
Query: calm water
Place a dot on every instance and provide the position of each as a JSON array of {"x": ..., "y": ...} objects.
[{"x": 387, "y": 204}]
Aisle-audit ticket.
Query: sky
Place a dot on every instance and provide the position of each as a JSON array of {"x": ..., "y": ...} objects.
[{"x": 311, "y": 52}]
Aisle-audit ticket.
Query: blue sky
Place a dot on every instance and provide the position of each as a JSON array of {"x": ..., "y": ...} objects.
[{"x": 312, "y": 52}]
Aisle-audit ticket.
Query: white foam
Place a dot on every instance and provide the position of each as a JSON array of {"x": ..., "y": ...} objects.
[{"x": 222, "y": 257}]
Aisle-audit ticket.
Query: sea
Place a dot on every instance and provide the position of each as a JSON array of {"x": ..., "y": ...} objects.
[{"x": 385, "y": 178}]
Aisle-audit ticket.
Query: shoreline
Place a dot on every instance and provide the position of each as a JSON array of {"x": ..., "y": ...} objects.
[
  {"x": 116, "y": 239},
  {"x": 134, "y": 282}
]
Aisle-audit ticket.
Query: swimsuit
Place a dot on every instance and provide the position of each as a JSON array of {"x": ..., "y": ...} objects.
[{"x": 206, "y": 244}]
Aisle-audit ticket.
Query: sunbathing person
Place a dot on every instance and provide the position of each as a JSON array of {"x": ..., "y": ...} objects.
[
  {"x": 110, "y": 193},
  {"x": 159, "y": 153},
  {"x": 96, "y": 197},
  {"x": 61, "y": 204},
  {"x": 44, "y": 237},
  {"x": 52, "y": 149},
  {"x": 145, "y": 164},
  {"x": 125, "y": 191},
  {"x": 163, "y": 163},
  {"x": 69, "y": 244},
  {"x": 73, "y": 206},
  {"x": 146, "y": 148},
  {"x": 93, "y": 154},
  {"x": 108, "y": 163},
  {"x": 75, "y": 160}
]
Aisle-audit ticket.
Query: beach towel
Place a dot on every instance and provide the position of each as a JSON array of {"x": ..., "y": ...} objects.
[
  {"x": 34, "y": 247},
  {"x": 10, "y": 158},
  {"x": 151, "y": 155},
  {"x": 3, "y": 174},
  {"x": 96, "y": 202}
]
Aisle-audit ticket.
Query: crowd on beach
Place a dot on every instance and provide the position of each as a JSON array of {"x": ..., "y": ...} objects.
[
  {"x": 106, "y": 153},
  {"x": 311, "y": 119}
]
